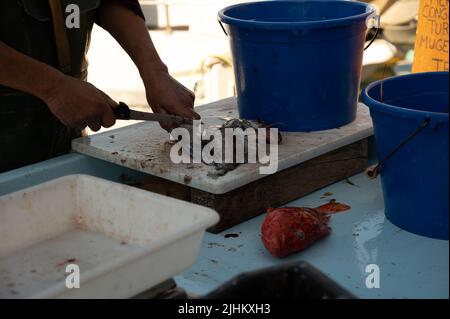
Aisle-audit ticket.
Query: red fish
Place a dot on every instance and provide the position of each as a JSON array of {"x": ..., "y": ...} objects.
[{"x": 287, "y": 230}]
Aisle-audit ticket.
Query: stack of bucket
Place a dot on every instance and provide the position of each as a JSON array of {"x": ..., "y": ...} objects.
[{"x": 298, "y": 64}]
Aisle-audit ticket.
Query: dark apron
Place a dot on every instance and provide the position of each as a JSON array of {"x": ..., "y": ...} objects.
[{"x": 29, "y": 132}]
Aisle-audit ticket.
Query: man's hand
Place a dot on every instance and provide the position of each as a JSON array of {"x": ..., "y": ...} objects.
[
  {"x": 79, "y": 104},
  {"x": 167, "y": 95},
  {"x": 164, "y": 93}
]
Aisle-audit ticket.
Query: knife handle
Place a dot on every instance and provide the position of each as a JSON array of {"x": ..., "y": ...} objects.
[{"x": 122, "y": 111}]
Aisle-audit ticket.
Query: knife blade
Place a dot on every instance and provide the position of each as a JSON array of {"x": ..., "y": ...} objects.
[{"x": 123, "y": 112}]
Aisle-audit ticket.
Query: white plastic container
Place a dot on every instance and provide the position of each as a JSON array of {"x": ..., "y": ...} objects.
[{"x": 124, "y": 240}]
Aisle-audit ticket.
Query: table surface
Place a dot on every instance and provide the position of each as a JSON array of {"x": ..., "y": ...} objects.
[{"x": 410, "y": 266}]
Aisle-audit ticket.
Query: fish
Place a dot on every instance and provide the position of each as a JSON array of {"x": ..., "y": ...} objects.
[
  {"x": 289, "y": 230},
  {"x": 222, "y": 168}
]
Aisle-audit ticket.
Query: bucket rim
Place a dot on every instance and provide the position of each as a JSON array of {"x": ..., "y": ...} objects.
[
  {"x": 374, "y": 104},
  {"x": 370, "y": 10}
]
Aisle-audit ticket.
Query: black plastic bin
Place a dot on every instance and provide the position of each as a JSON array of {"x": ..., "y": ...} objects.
[{"x": 289, "y": 281}]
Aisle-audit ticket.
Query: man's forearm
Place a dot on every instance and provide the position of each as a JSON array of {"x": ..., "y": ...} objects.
[
  {"x": 164, "y": 93},
  {"x": 130, "y": 32},
  {"x": 20, "y": 72}
]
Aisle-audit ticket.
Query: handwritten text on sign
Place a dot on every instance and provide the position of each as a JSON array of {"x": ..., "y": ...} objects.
[{"x": 432, "y": 44}]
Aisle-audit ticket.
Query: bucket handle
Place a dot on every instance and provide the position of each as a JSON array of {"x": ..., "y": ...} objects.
[
  {"x": 373, "y": 171},
  {"x": 223, "y": 28},
  {"x": 373, "y": 21}
]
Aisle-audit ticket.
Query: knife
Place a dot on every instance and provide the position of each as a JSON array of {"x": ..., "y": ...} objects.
[{"x": 123, "y": 112}]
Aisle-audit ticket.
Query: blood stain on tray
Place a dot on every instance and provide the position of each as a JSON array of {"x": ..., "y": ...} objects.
[
  {"x": 333, "y": 207},
  {"x": 326, "y": 195}
]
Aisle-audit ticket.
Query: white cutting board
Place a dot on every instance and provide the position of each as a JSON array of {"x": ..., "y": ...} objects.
[{"x": 144, "y": 147}]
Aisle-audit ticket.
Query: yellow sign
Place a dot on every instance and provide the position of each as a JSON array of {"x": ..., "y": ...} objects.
[{"x": 432, "y": 41}]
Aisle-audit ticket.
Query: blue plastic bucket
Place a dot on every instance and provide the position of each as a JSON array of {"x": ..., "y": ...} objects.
[
  {"x": 297, "y": 63},
  {"x": 415, "y": 178}
]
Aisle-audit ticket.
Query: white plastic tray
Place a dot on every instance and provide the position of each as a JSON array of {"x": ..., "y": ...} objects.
[{"x": 123, "y": 239}]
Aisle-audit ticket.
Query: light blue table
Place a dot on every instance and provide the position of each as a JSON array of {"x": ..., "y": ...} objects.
[{"x": 410, "y": 266}]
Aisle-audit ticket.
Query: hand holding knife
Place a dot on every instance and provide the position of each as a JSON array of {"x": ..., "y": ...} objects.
[{"x": 123, "y": 112}]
